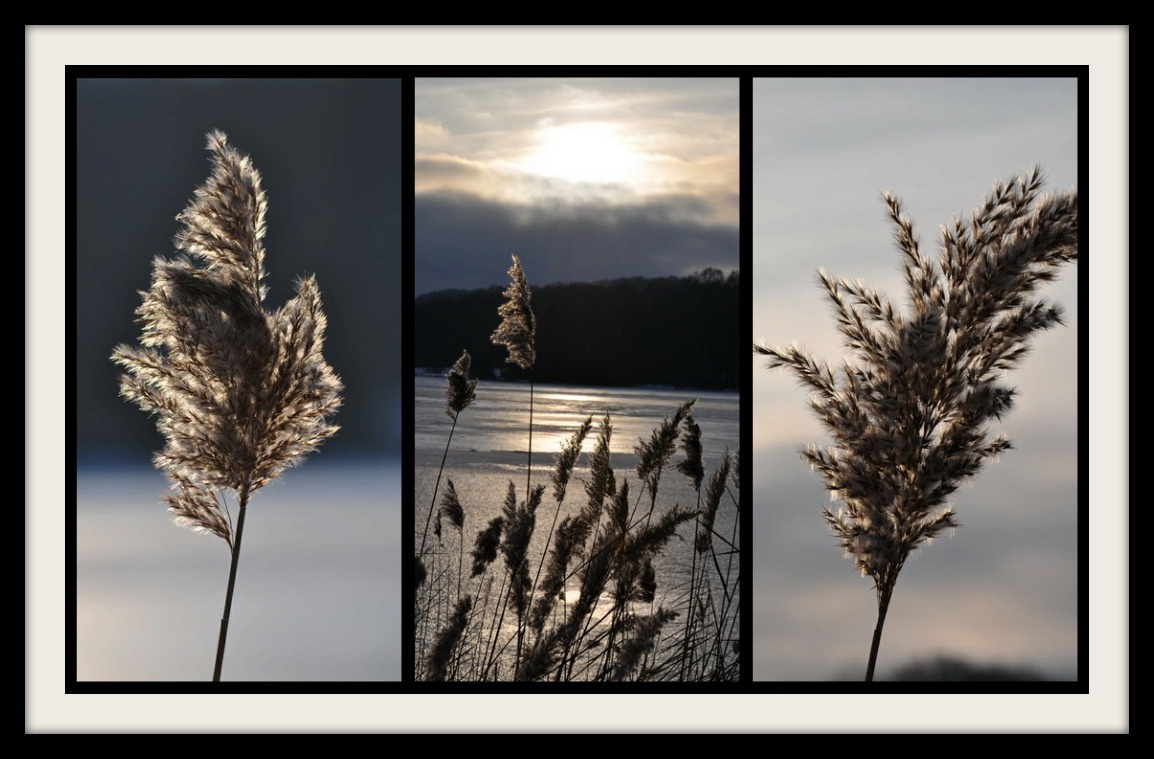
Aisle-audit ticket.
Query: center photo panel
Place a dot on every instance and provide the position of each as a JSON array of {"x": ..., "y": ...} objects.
[{"x": 578, "y": 352}]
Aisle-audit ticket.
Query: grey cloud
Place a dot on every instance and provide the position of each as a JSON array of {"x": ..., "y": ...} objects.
[
  {"x": 467, "y": 105},
  {"x": 446, "y": 168},
  {"x": 464, "y": 242}
]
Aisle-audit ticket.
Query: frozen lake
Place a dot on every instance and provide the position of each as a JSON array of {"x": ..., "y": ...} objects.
[
  {"x": 317, "y": 593},
  {"x": 489, "y": 450}
]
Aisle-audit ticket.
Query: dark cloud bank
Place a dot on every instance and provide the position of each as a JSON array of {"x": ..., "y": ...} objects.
[{"x": 464, "y": 242}]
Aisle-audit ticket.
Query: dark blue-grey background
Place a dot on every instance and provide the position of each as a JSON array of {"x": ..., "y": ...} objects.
[{"x": 329, "y": 151}]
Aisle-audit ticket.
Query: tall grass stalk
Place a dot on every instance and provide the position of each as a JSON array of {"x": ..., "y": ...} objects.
[
  {"x": 910, "y": 414},
  {"x": 239, "y": 393},
  {"x": 460, "y": 393},
  {"x": 517, "y": 332}
]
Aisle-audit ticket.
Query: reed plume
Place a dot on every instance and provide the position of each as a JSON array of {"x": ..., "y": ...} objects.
[
  {"x": 451, "y": 507},
  {"x": 517, "y": 332},
  {"x": 460, "y": 393},
  {"x": 910, "y": 416},
  {"x": 718, "y": 481},
  {"x": 486, "y": 545},
  {"x": 563, "y": 464},
  {"x": 571, "y": 534},
  {"x": 645, "y": 631},
  {"x": 654, "y": 454},
  {"x": 518, "y": 328},
  {"x": 460, "y": 388},
  {"x": 601, "y": 482},
  {"x": 442, "y": 654},
  {"x": 520, "y": 521},
  {"x": 566, "y": 458},
  {"x": 691, "y": 466},
  {"x": 452, "y": 510},
  {"x": 239, "y": 393}
]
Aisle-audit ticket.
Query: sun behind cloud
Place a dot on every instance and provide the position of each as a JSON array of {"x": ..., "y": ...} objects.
[
  {"x": 589, "y": 152},
  {"x": 588, "y": 179}
]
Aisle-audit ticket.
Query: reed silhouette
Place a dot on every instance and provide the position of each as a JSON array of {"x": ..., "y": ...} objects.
[
  {"x": 910, "y": 412},
  {"x": 239, "y": 393}
]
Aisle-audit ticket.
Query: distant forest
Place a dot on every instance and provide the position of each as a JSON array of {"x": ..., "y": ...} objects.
[{"x": 677, "y": 331}]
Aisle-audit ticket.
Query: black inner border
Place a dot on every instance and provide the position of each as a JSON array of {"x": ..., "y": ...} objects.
[{"x": 407, "y": 74}]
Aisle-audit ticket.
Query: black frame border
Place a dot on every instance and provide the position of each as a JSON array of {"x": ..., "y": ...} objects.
[{"x": 408, "y": 75}]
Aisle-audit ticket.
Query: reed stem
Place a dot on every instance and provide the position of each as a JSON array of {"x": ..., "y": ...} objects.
[
  {"x": 883, "y": 607},
  {"x": 433, "y": 504},
  {"x": 231, "y": 585}
]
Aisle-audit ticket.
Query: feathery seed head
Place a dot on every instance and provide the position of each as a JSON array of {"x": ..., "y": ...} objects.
[
  {"x": 486, "y": 544},
  {"x": 447, "y": 640},
  {"x": 518, "y": 327},
  {"x": 910, "y": 417},
  {"x": 460, "y": 390},
  {"x": 654, "y": 454},
  {"x": 520, "y": 521},
  {"x": 713, "y": 494},
  {"x": 240, "y": 394},
  {"x": 600, "y": 482},
  {"x": 691, "y": 465},
  {"x": 566, "y": 459},
  {"x": 451, "y": 506},
  {"x": 643, "y": 640}
]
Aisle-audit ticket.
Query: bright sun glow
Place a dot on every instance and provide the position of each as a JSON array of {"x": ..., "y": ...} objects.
[{"x": 587, "y": 152}]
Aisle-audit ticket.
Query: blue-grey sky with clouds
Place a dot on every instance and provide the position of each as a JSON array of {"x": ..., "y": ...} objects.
[{"x": 584, "y": 179}]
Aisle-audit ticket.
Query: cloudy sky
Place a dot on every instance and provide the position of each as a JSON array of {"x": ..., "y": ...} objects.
[
  {"x": 584, "y": 179},
  {"x": 1003, "y": 588}
]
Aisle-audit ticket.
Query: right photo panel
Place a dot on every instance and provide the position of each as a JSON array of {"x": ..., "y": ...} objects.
[{"x": 915, "y": 394}]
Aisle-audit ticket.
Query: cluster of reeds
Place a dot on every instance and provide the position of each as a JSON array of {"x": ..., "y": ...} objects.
[
  {"x": 910, "y": 415},
  {"x": 239, "y": 393},
  {"x": 592, "y": 599}
]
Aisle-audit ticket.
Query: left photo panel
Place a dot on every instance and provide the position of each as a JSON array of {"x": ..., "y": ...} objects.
[{"x": 237, "y": 355}]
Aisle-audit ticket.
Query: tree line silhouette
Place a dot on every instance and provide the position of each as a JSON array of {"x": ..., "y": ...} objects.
[{"x": 675, "y": 331}]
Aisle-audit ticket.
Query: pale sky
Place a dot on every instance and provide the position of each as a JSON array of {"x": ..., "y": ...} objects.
[
  {"x": 584, "y": 179},
  {"x": 1003, "y": 588}
]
